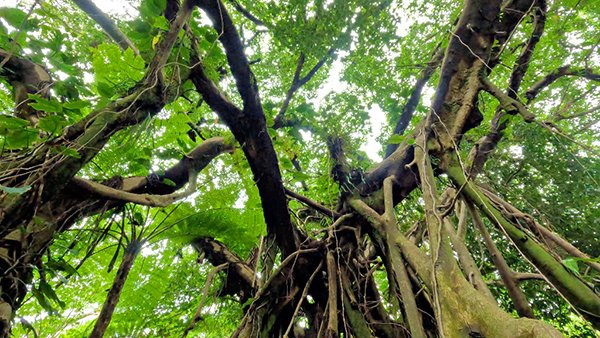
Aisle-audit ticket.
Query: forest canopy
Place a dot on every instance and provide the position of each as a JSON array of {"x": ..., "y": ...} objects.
[{"x": 302, "y": 168}]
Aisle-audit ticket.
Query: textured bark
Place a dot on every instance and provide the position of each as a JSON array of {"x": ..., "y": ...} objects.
[
  {"x": 25, "y": 77},
  {"x": 570, "y": 286},
  {"x": 248, "y": 126}
]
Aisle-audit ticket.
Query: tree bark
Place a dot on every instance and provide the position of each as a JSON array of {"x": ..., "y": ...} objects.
[{"x": 131, "y": 252}]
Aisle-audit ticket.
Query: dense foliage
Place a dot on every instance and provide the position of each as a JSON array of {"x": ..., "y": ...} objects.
[{"x": 144, "y": 167}]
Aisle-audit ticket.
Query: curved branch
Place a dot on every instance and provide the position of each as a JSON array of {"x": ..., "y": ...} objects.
[
  {"x": 185, "y": 171},
  {"x": 106, "y": 23},
  {"x": 141, "y": 199}
]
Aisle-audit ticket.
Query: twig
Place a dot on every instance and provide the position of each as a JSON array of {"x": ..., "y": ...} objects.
[{"x": 198, "y": 315}]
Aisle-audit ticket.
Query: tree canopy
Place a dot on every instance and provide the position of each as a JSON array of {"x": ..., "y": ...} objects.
[{"x": 302, "y": 168}]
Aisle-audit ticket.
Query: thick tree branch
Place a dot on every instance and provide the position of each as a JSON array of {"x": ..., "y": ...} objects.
[
  {"x": 523, "y": 276},
  {"x": 248, "y": 126},
  {"x": 237, "y": 60},
  {"x": 185, "y": 171},
  {"x": 141, "y": 199},
  {"x": 486, "y": 145},
  {"x": 106, "y": 23}
]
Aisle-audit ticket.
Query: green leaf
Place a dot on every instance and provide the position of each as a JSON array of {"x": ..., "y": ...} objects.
[
  {"x": 396, "y": 139},
  {"x": 13, "y": 16},
  {"x": 49, "y": 292},
  {"x": 168, "y": 182},
  {"x": 105, "y": 89},
  {"x": 161, "y": 22},
  {"x": 572, "y": 264},
  {"x": 42, "y": 104},
  {"x": 10, "y": 122},
  {"x": 15, "y": 190},
  {"x": 51, "y": 124},
  {"x": 76, "y": 104}
]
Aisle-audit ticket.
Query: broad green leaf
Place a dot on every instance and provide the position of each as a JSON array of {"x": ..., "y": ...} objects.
[{"x": 13, "y": 16}]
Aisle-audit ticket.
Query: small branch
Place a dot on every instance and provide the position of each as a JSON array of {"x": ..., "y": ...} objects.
[
  {"x": 506, "y": 102},
  {"x": 523, "y": 276},
  {"x": 141, "y": 199},
  {"x": 298, "y": 82},
  {"x": 557, "y": 74},
  {"x": 246, "y": 13},
  {"x": 198, "y": 315},
  {"x": 106, "y": 23},
  {"x": 315, "y": 205}
]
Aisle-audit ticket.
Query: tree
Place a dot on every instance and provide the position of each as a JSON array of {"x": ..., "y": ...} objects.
[{"x": 194, "y": 124}]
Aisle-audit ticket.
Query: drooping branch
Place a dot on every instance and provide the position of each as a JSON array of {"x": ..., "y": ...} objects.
[
  {"x": 107, "y": 24},
  {"x": 141, "y": 199}
]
